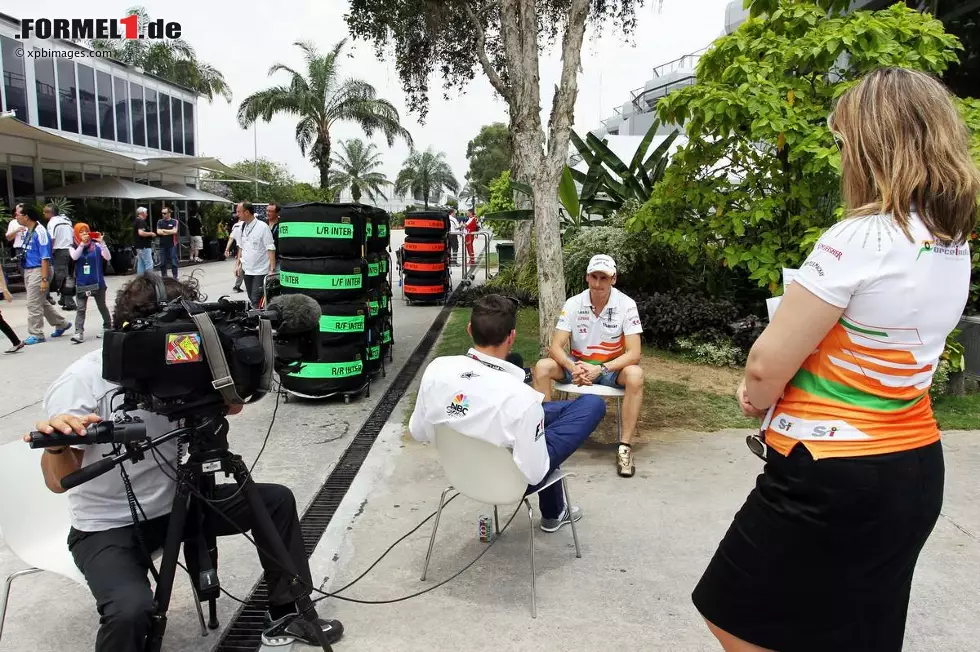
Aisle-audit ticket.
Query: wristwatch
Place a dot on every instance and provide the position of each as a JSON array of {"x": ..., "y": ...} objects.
[{"x": 604, "y": 369}]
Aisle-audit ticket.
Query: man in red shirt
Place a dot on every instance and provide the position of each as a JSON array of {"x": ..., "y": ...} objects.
[{"x": 472, "y": 226}]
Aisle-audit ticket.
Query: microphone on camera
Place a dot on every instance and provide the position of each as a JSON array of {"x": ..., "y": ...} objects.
[
  {"x": 293, "y": 314},
  {"x": 518, "y": 361}
]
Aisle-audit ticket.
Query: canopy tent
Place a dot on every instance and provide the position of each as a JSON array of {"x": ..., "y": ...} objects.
[
  {"x": 112, "y": 187},
  {"x": 194, "y": 194}
]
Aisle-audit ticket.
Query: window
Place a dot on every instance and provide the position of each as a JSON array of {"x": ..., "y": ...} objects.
[
  {"x": 72, "y": 177},
  {"x": 107, "y": 119},
  {"x": 86, "y": 97},
  {"x": 152, "y": 124},
  {"x": 188, "y": 129},
  {"x": 139, "y": 124},
  {"x": 23, "y": 176},
  {"x": 47, "y": 102},
  {"x": 175, "y": 107},
  {"x": 14, "y": 80},
  {"x": 7, "y": 200},
  {"x": 66, "y": 95},
  {"x": 51, "y": 178},
  {"x": 165, "y": 123},
  {"x": 122, "y": 110}
]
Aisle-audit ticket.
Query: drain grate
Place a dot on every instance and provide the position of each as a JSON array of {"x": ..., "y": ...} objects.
[{"x": 245, "y": 632}]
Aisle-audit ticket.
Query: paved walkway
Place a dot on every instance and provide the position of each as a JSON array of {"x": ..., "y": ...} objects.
[{"x": 306, "y": 442}]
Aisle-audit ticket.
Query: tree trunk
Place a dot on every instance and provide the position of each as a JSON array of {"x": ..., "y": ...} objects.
[
  {"x": 551, "y": 267},
  {"x": 324, "y": 164},
  {"x": 522, "y": 229},
  {"x": 355, "y": 193}
]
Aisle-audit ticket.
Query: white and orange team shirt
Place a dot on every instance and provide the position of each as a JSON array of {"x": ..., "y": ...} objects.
[
  {"x": 599, "y": 339},
  {"x": 865, "y": 390}
]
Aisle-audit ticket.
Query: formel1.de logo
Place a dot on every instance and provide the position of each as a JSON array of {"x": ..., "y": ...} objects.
[{"x": 78, "y": 29}]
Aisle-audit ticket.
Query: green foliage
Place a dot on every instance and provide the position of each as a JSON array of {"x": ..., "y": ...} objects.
[
  {"x": 520, "y": 278},
  {"x": 105, "y": 217},
  {"x": 321, "y": 98},
  {"x": 717, "y": 353},
  {"x": 667, "y": 316},
  {"x": 214, "y": 214},
  {"x": 609, "y": 182},
  {"x": 356, "y": 169},
  {"x": 501, "y": 198},
  {"x": 489, "y": 155},
  {"x": 954, "y": 352},
  {"x": 424, "y": 175},
  {"x": 940, "y": 380},
  {"x": 62, "y": 206},
  {"x": 970, "y": 110},
  {"x": 763, "y": 7},
  {"x": 471, "y": 295},
  {"x": 398, "y": 220},
  {"x": 757, "y": 181},
  {"x": 281, "y": 186}
]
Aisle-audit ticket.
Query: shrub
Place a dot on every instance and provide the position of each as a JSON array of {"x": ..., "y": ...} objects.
[
  {"x": 717, "y": 353},
  {"x": 940, "y": 380},
  {"x": 667, "y": 316},
  {"x": 521, "y": 277},
  {"x": 398, "y": 220},
  {"x": 472, "y": 295},
  {"x": 745, "y": 332}
]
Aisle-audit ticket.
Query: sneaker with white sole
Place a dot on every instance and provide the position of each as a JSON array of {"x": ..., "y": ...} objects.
[
  {"x": 554, "y": 524},
  {"x": 293, "y": 627},
  {"x": 624, "y": 461},
  {"x": 77, "y": 338}
]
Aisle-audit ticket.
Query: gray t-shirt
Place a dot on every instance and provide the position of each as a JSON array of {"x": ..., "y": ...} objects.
[{"x": 100, "y": 504}]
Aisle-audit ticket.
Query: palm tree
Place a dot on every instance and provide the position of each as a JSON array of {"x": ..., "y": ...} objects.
[
  {"x": 320, "y": 99},
  {"x": 356, "y": 168},
  {"x": 424, "y": 175},
  {"x": 171, "y": 59}
]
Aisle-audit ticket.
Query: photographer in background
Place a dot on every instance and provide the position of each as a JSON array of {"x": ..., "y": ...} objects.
[{"x": 102, "y": 539}]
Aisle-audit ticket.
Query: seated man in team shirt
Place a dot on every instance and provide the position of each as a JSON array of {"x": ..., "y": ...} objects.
[
  {"x": 603, "y": 326},
  {"x": 484, "y": 396}
]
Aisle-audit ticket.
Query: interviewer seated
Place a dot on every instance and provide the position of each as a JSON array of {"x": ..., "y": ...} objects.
[
  {"x": 481, "y": 395},
  {"x": 102, "y": 538}
]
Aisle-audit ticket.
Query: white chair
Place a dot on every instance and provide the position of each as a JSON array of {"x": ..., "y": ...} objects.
[
  {"x": 598, "y": 390},
  {"x": 487, "y": 474},
  {"x": 34, "y": 522}
]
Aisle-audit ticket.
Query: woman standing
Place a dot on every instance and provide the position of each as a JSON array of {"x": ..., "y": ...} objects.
[
  {"x": 821, "y": 555},
  {"x": 16, "y": 343},
  {"x": 88, "y": 253}
]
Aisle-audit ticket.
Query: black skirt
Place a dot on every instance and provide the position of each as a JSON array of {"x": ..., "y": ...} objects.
[{"x": 820, "y": 558}]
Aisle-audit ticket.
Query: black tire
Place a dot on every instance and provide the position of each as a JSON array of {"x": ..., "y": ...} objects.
[
  {"x": 373, "y": 358},
  {"x": 424, "y": 248},
  {"x": 424, "y": 289},
  {"x": 377, "y": 279},
  {"x": 379, "y": 231},
  {"x": 435, "y": 268},
  {"x": 340, "y": 368},
  {"x": 343, "y": 323},
  {"x": 427, "y": 224},
  {"x": 317, "y": 229},
  {"x": 324, "y": 279}
]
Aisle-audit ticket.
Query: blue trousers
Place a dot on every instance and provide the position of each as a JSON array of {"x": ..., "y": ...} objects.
[
  {"x": 567, "y": 424},
  {"x": 144, "y": 260},
  {"x": 168, "y": 256}
]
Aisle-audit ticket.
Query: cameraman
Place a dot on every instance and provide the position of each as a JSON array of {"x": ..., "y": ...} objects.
[{"x": 102, "y": 539}]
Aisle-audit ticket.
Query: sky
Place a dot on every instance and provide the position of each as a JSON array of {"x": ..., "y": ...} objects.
[{"x": 243, "y": 39}]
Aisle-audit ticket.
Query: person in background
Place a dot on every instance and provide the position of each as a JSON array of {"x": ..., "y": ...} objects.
[
  {"x": 16, "y": 233},
  {"x": 88, "y": 254},
  {"x": 257, "y": 252},
  {"x": 37, "y": 271},
  {"x": 144, "y": 241},
  {"x": 822, "y": 553},
  {"x": 602, "y": 327},
  {"x": 233, "y": 241},
  {"x": 272, "y": 214},
  {"x": 16, "y": 343},
  {"x": 453, "y": 236},
  {"x": 194, "y": 228},
  {"x": 62, "y": 236},
  {"x": 472, "y": 226},
  {"x": 167, "y": 230}
]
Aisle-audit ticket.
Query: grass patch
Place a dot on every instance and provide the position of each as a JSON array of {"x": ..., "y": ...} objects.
[
  {"x": 456, "y": 341},
  {"x": 675, "y": 405},
  {"x": 958, "y": 412}
]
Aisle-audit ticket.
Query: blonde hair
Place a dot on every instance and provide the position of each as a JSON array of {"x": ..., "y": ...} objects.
[{"x": 905, "y": 147}]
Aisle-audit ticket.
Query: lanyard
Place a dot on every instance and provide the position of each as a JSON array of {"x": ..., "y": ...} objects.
[{"x": 489, "y": 365}]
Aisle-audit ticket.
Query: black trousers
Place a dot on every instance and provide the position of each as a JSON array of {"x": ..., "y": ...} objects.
[
  {"x": 63, "y": 268},
  {"x": 116, "y": 569}
]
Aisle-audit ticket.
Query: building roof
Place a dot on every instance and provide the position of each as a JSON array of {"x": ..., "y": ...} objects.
[{"x": 6, "y": 18}]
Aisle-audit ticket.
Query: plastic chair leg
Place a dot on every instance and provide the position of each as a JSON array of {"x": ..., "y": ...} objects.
[
  {"x": 6, "y": 592},
  {"x": 435, "y": 527},
  {"x": 530, "y": 537},
  {"x": 568, "y": 501}
]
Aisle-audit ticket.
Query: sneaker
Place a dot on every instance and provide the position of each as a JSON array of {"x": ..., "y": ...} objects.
[
  {"x": 58, "y": 332},
  {"x": 238, "y": 289},
  {"x": 33, "y": 339},
  {"x": 553, "y": 524},
  {"x": 15, "y": 348},
  {"x": 624, "y": 461},
  {"x": 293, "y": 627},
  {"x": 77, "y": 338}
]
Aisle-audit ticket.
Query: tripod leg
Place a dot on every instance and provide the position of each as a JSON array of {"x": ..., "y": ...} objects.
[
  {"x": 265, "y": 530},
  {"x": 168, "y": 567},
  {"x": 200, "y": 612},
  {"x": 213, "y": 614}
]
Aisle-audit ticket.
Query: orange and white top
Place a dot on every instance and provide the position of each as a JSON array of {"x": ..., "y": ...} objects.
[
  {"x": 599, "y": 339},
  {"x": 865, "y": 390}
]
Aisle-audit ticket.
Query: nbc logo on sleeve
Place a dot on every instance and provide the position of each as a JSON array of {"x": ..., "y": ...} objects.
[{"x": 459, "y": 406}]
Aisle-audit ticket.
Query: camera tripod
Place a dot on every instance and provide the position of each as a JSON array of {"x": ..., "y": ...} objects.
[{"x": 206, "y": 439}]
